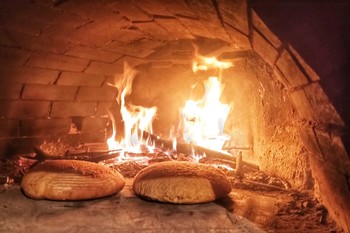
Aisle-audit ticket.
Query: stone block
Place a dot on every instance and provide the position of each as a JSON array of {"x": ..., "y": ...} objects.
[
  {"x": 174, "y": 50},
  {"x": 129, "y": 49},
  {"x": 153, "y": 7},
  {"x": 9, "y": 128},
  {"x": 86, "y": 9},
  {"x": 23, "y": 74},
  {"x": 59, "y": 62},
  {"x": 261, "y": 27},
  {"x": 131, "y": 61},
  {"x": 105, "y": 93},
  {"x": 104, "y": 107},
  {"x": 290, "y": 69},
  {"x": 60, "y": 32},
  {"x": 154, "y": 30},
  {"x": 106, "y": 25},
  {"x": 302, "y": 104},
  {"x": 310, "y": 142},
  {"x": 233, "y": 55},
  {"x": 332, "y": 190},
  {"x": 13, "y": 56},
  {"x": 11, "y": 91},
  {"x": 206, "y": 11},
  {"x": 48, "y": 92},
  {"x": 91, "y": 40},
  {"x": 102, "y": 68},
  {"x": 37, "y": 11},
  {"x": 239, "y": 40},
  {"x": 130, "y": 35},
  {"x": 44, "y": 127},
  {"x": 322, "y": 107},
  {"x": 307, "y": 69},
  {"x": 129, "y": 10},
  {"x": 23, "y": 23},
  {"x": 95, "y": 54},
  {"x": 221, "y": 33},
  {"x": 234, "y": 13},
  {"x": 280, "y": 77},
  {"x": 332, "y": 149},
  {"x": 148, "y": 44},
  {"x": 69, "y": 109},
  {"x": 173, "y": 26},
  {"x": 70, "y": 19},
  {"x": 19, "y": 109},
  {"x": 31, "y": 42},
  {"x": 179, "y": 8},
  {"x": 23, "y": 145},
  {"x": 196, "y": 27},
  {"x": 264, "y": 48},
  {"x": 75, "y": 36},
  {"x": 80, "y": 79}
]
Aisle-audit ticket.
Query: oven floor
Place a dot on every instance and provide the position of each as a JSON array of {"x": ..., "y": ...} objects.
[
  {"x": 118, "y": 213},
  {"x": 247, "y": 209}
]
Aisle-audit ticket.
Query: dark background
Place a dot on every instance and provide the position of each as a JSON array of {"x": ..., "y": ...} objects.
[{"x": 319, "y": 31}]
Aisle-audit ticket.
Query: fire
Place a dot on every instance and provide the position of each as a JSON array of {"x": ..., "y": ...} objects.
[
  {"x": 204, "y": 120},
  {"x": 207, "y": 63},
  {"x": 137, "y": 119}
]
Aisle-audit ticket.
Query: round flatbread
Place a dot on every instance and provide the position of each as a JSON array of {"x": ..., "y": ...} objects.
[
  {"x": 181, "y": 183},
  {"x": 71, "y": 180}
]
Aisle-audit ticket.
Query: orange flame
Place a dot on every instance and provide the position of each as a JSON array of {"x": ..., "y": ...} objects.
[
  {"x": 204, "y": 120},
  {"x": 207, "y": 63},
  {"x": 136, "y": 118}
]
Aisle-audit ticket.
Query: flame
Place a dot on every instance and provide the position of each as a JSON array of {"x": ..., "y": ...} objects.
[
  {"x": 207, "y": 63},
  {"x": 204, "y": 120},
  {"x": 137, "y": 119}
]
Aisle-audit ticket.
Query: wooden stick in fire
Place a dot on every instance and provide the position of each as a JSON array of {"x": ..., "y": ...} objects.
[
  {"x": 87, "y": 156},
  {"x": 187, "y": 148}
]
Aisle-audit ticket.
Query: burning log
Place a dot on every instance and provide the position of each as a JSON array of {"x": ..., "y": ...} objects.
[
  {"x": 248, "y": 184},
  {"x": 186, "y": 148},
  {"x": 103, "y": 154},
  {"x": 92, "y": 156}
]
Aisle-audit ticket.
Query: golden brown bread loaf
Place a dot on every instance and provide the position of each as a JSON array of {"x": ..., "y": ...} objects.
[
  {"x": 71, "y": 180},
  {"x": 181, "y": 183}
]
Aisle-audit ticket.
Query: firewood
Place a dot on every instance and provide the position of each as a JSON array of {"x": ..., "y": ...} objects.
[
  {"x": 239, "y": 164},
  {"x": 93, "y": 156},
  {"x": 187, "y": 148},
  {"x": 262, "y": 185}
]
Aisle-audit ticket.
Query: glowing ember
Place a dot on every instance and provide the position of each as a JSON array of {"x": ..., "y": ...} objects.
[
  {"x": 136, "y": 118},
  {"x": 204, "y": 120}
]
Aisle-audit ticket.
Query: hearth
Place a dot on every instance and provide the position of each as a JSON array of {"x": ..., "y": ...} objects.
[{"x": 129, "y": 84}]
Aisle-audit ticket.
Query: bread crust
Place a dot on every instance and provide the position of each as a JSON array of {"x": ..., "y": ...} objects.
[
  {"x": 181, "y": 182},
  {"x": 71, "y": 180}
]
